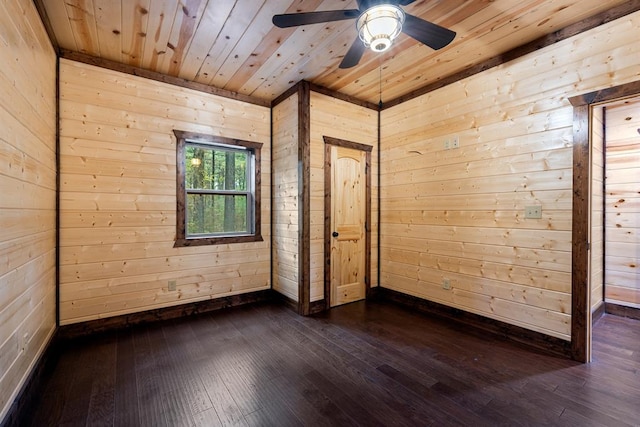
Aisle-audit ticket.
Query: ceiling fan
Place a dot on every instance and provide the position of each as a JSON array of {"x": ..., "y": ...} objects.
[{"x": 379, "y": 22}]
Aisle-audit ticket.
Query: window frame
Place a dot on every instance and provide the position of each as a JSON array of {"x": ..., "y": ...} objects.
[{"x": 185, "y": 138}]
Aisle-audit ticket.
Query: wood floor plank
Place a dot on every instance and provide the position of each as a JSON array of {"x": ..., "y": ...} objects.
[
  {"x": 366, "y": 363},
  {"x": 126, "y": 386},
  {"x": 102, "y": 402}
]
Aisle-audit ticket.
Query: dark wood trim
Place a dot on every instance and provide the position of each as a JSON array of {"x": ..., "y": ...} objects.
[
  {"x": 182, "y": 243},
  {"x": 152, "y": 75},
  {"x": 324, "y": 91},
  {"x": 603, "y": 264},
  {"x": 314, "y": 306},
  {"x": 285, "y": 300},
  {"x": 181, "y": 191},
  {"x": 544, "y": 41},
  {"x": 347, "y": 144},
  {"x": 31, "y": 391},
  {"x": 597, "y": 313},
  {"x": 622, "y": 310},
  {"x": 206, "y": 138},
  {"x": 329, "y": 142},
  {"x": 327, "y": 225},
  {"x": 286, "y": 94},
  {"x": 379, "y": 204},
  {"x": 482, "y": 325},
  {"x": 375, "y": 294},
  {"x": 608, "y": 94},
  {"x": 271, "y": 196},
  {"x": 44, "y": 17},
  {"x": 304, "y": 198},
  {"x": 181, "y": 240},
  {"x": 344, "y": 97},
  {"x": 580, "y": 310},
  {"x": 317, "y": 307},
  {"x": 58, "y": 186},
  {"x": 145, "y": 317}
]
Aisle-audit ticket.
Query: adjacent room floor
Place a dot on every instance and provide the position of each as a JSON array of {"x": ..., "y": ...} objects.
[{"x": 369, "y": 364}]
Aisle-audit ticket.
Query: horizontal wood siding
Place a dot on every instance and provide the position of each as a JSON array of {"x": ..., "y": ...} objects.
[
  {"x": 343, "y": 120},
  {"x": 458, "y": 214},
  {"x": 285, "y": 198},
  {"x": 27, "y": 194},
  {"x": 597, "y": 208},
  {"x": 118, "y": 195},
  {"x": 622, "y": 284}
]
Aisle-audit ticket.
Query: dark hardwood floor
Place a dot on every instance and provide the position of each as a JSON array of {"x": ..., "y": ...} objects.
[{"x": 369, "y": 364}]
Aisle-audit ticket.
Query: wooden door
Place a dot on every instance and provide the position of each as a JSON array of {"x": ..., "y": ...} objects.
[{"x": 348, "y": 216}]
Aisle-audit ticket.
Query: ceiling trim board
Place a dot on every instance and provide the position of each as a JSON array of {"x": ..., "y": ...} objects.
[
  {"x": 152, "y": 75},
  {"x": 286, "y": 94},
  {"x": 324, "y": 91},
  {"x": 612, "y": 14},
  {"x": 44, "y": 17},
  {"x": 343, "y": 97}
]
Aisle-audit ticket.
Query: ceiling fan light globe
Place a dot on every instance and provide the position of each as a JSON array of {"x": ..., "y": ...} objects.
[
  {"x": 380, "y": 44},
  {"x": 379, "y": 26}
]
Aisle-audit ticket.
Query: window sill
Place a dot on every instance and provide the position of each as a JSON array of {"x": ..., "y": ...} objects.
[{"x": 180, "y": 243}]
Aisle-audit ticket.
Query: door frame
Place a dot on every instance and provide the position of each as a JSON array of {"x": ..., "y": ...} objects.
[
  {"x": 580, "y": 253},
  {"x": 330, "y": 142}
]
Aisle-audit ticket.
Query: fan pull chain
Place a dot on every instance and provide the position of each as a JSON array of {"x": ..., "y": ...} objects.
[{"x": 380, "y": 89}]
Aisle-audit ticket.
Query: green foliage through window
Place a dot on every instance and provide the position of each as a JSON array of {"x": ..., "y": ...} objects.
[{"x": 218, "y": 187}]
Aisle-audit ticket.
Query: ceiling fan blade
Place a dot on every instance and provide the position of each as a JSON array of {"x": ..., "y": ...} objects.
[
  {"x": 434, "y": 36},
  {"x": 366, "y": 4},
  {"x": 294, "y": 19},
  {"x": 354, "y": 54}
]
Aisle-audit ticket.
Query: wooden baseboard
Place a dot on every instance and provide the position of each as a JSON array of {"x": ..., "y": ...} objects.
[
  {"x": 480, "y": 324},
  {"x": 622, "y": 310},
  {"x": 283, "y": 299},
  {"x": 124, "y": 321},
  {"x": 597, "y": 313},
  {"x": 317, "y": 306},
  {"x": 373, "y": 293},
  {"x": 314, "y": 306},
  {"x": 33, "y": 386}
]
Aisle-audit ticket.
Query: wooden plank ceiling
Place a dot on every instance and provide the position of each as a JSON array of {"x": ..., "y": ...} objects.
[{"x": 232, "y": 44}]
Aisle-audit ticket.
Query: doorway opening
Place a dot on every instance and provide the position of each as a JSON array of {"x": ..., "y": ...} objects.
[{"x": 589, "y": 203}]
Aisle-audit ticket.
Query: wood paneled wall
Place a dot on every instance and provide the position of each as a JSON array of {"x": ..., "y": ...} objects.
[
  {"x": 338, "y": 119},
  {"x": 622, "y": 276},
  {"x": 27, "y": 194},
  {"x": 286, "y": 222},
  {"x": 457, "y": 215},
  {"x": 118, "y": 195},
  {"x": 597, "y": 208}
]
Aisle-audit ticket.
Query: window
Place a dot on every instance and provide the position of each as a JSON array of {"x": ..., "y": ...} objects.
[{"x": 218, "y": 190}]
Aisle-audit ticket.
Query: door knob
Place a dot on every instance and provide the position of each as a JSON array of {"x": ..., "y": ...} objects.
[{"x": 335, "y": 234}]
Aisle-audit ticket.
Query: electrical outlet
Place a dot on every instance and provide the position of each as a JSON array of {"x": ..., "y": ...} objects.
[
  {"x": 455, "y": 142},
  {"x": 533, "y": 212},
  {"x": 446, "y": 284},
  {"x": 172, "y": 285},
  {"x": 447, "y": 144}
]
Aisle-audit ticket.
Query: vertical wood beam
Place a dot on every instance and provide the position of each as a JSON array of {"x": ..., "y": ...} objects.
[
  {"x": 57, "y": 124},
  {"x": 580, "y": 235},
  {"x": 304, "y": 198}
]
